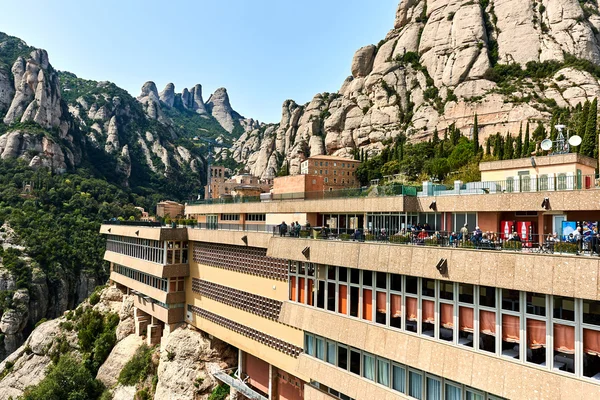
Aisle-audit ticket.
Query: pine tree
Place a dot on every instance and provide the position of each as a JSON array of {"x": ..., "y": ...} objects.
[
  {"x": 526, "y": 144},
  {"x": 475, "y": 136},
  {"x": 588, "y": 145},
  {"x": 519, "y": 143}
]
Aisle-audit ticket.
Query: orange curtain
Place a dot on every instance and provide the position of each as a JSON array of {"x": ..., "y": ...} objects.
[
  {"x": 536, "y": 334},
  {"x": 343, "y": 300},
  {"x": 591, "y": 342},
  {"x": 293, "y": 291},
  {"x": 381, "y": 303},
  {"x": 510, "y": 329},
  {"x": 487, "y": 322},
  {"x": 311, "y": 295},
  {"x": 396, "y": 304},
  {"x": 564, "y": 338},
  {"x": 447, "y": 312},
  {"x": 465, "y": 319},
  {"x": 411, "y": 309},
  {"x": 428, "y": 311},
  {"x": 302, "y": 291},
  {"x": 368, "y": 304}
]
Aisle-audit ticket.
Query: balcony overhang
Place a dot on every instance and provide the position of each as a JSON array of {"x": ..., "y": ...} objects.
[
  {"x": 158, "y": 270},
  {"x": 145, "y": 232}
]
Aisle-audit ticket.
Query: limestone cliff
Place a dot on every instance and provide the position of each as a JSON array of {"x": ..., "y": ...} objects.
[{"x": 438, "y": 66}]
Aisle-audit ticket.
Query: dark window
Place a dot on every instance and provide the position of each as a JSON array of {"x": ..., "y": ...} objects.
[
  {"x": 465, "y": 293},
  {"x": 447, "y": 290},
  {"x": 355, "y": 276},
  {"x": 591, "y": 312},
  {"x": 510, "y": 300},
  {"x": 355, "y": 362},
  {"x": 412, "y": 284},
  {"x": 343, "y": 274},
  {"x": 536, "y": 304},
  {"x": 342, "y": 357},
  {"x": 354, "y": 301},
  {"x": 367, "y": 278},
  {"x": 321, "y": 294},
  {"x": 331, "y": 296},
  {"x": 396, "y": 282},
  {"x": 381, "y": 280},
  {"x": 428, "y": 287},
  {"x": 564, "y": 308},
  {"x": 487, "y": 296}
]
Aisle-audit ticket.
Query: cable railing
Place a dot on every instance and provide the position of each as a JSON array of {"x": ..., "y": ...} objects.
[{"x": 499, "y": 241}]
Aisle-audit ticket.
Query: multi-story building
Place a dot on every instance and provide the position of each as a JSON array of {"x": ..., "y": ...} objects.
[
  {"x": 219, "y": 185},
  {"x": 386, "y": 316},
  {"x": 169, "y": 208},
  {"x": 337, "y": 172}
]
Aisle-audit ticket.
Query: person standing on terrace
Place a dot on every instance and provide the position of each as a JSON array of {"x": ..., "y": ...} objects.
[
  {"x": 464, "y": 233},
  {"x": 283, "y": 229}
]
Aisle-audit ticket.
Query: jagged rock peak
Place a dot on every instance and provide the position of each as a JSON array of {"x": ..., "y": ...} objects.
[
  {"x": 149, "y": 90},
  {"x": 221, "y": 109},
  {"x": 167, "y": 96}
]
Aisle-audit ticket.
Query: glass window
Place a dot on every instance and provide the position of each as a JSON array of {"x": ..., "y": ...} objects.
[
  {"x": 447, "y": 290},
  {"x": 367, "y": 278},
  {"x": 331, "y": 272},
  {"x": 415, "y": 385},
  {"x": 309, "y": 345},
  {"x": 355, "y": 276},
  {"x": 428, "y": 287},
  {"x": 536, "y": 304},
  {"x": 331, "y": 346},
  {"x": 395, "y": 311},
  {"x": 465, "y": 293},
  {"x": 465, "y": 323},
  {"x": 591, "y": 312},
  {"x": 396, "y": 282},
  {"x": 367, "y": 312},
  {"x": 453, "y": 392},
  {"x": 320, "y": 348},
  {"x": 446, "y": 326},
  {"x": 343, "y": 272},
  {"x": 381, "y": 280},
  {"x": 473, "y": 395},
  {"x": 564, "y": 308},
  {"x": 564, "y": 348},
  {"x": 412, "y": 284},
  {"x": 354, "y": 301},
  {"x": 331, "y": 296},
  {"x": 355, "y": 361},
  {"x": 399, "y": 379},
  {"x": 591, "y": 353},
  {"x": 434, "y": 388},
  {"x": 511, "y": 336},
  {"x": 369, "y": 367},
  {"x": 536, "y": 341},
  {"x": 342, "y": 354},
  {"x": 487, "y": 331},
  {"x": 381, "y": 314},
  {"x": 383, "y": 372},
  {"x": 487, "y": 296},
  {"x": 510, "y": 300}
]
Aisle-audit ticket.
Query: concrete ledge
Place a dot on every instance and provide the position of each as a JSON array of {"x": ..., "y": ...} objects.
[
  {"x": 572, "y": 276},
  {"x": 145, "y": 232},
  {"x": 255, "y": 239},
  {"x": 158, "y": 270}
]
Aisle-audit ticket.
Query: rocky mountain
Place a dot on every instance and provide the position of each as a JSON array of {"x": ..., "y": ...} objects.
[
  {"x": 180, "y": 368},
  {"x": 508, "y": 61},
  {"x": 57, "y": 120}
]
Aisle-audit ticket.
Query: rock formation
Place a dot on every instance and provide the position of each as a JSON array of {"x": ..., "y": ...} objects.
[
  {"x": 433, "y": 70},
  {"x": 167, "y": 96},
  {"x": 220, "y": 108}
]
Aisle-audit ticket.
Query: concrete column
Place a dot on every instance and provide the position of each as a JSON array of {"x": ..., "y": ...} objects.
[{"x": 272, "y": 389}]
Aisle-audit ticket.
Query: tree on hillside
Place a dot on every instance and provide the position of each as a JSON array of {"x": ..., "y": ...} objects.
[
  {"x": 509, "y": 151},
  {"x": 475, "y": 136},
  {"x": 588, "y": 145},
  {"x": 519, "y": 143},
  {"x": 583, "y": 118},
  {"x": 454, "y": 135},
  {"x": 526, "y": 144}
]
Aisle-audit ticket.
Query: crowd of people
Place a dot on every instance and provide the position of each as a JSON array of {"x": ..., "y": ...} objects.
[{"x": 423, "y": 234}]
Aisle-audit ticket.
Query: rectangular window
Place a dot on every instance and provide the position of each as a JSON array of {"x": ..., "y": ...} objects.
[
  {"x": 355, "y": 361},
  {"x": 428, "y": 317},
  {"x": 331, "y": 296},
  {"x": 369, "y": 367},
  {"x": 564, "y": 308},
  {"x": 465, "y": 293},
  {"x": 396, "y": 281},
  {"x": 487, "y": 296},
  {"x": 536, "y": 341},
  {"x": 395, "y": 311},
  {"x": 320, "y": 348},
  {"x": 355, "y": 276},
  {"x": 354, "y": 301},
  {"x": 591, "y": 312},
  {"x": 367, "y": 278},
  {"x": 511, "y": 336},
  {"x": 591, "y": 353},
  {"x": 383, "y": 372},
  {"x": 465, "y": 323},
  {"x": 331, "y": 346},
  {"x": 536, "y": 304},
  {"x": 415, "y": 385},
  {"x": 564, "y": 348},
  {"x": 428, "y": 287},
  {"x": 453, "y": 392},
  {"x": 367, "y": 312},
  {"x": 342, "y": 355},
  {"x": 487, "y": 331},
  {"x": 446, "y": 322},
  {"x": 411, "y": 314},
  {"x": 447, "y": 290},
  {"x": 399, "y": 379},
  {"x": 343, "y": 299},
  {"x": 434, "y": 388},
  {"x": 412, "y": 284},
  {"x": 309, "y": 344},
  {"x": 381, "y": 315},
  {"x": 510, "y": 300}
]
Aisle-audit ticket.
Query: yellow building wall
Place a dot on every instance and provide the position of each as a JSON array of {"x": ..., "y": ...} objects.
[{"x": 502, "y": 175}]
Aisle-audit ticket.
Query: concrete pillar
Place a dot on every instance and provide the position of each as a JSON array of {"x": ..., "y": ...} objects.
[
  {"x": 154, "y": 334},
  {"x": 271, "y": 383}
]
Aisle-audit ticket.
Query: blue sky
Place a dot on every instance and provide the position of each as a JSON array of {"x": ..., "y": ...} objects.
[{"x": 262, "y": 51}]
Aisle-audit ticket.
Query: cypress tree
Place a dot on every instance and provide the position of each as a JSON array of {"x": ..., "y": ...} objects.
[
  {"x": 582, "y": 120},
  {"x": 498, "y": 146},
  {"x": 475, "y": 136},
  {"x": 526, "y": 143},
  {"x": 501, "y": 147},
  {"x": 508, "y": 148},
  {"x": 553, "y": 123},
  {"x": 588, "y": 145},
  {"x": 487, "y": 145},
  {"x": 519, "y": 143},
  {"x": 454, "y": 135}
]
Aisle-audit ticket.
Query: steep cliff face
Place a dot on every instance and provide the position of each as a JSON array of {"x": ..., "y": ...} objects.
[{"x": 443, "y": 61}]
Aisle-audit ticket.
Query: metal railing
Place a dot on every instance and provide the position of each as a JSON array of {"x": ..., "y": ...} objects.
[
  {"x": 500, "y": 241},
  {"x": 238, "y": 384},
  {"x": 134, "y": 223}
]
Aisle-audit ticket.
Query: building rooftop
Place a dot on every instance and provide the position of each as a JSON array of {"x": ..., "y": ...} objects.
[
  {"x": 556, "y": 159},
  {"x": 332, "y": 158}
]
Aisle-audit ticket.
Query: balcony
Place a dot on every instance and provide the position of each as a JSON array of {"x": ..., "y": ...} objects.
[
  {"x": 161, "y": 311},
  {"x": 142, "y": 230}
]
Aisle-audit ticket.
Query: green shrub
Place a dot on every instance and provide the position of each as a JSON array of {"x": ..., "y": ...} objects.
[
  {"x": 399, "y": 239},
  {"x": 68, "y": 379},
  {"x": 369, "y": 237},
  {"x": 564, "y": 247},
  {"x": 512, "y": 245},
  {"x": 139, "y": 367},
  {"x": 431, "y": 242},
  {"x": 143, "y": 394},
  {"x": 219, "y": 393},
  {"x": 66, "y": 325},
  {"x": 41, "y": 321},
  {"x": 304, "y": 234},
  {"x": 94, "y": 298},
  {"x": 345, "y": 236}
]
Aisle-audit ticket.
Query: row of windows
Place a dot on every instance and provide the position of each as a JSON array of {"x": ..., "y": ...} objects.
[
  {"x": 553, "y": 332},
  {"x": 146, "y": 279},
  {"x": 343, "y": 181},
  {"x": 145, "y": 249},
  {"x": 230, "y": 217},
  {"x": 331, "y": 391},
  {"x": 334, "y": 163},
  {"x": 413, "y": 382},
  {"x": 267, "y": 340},
  {"x": 259, "y": 305},
  {"x": 342, "y": 173},
  {"x": 256, "y": 217},
  {"x": 247, "y": 260}
]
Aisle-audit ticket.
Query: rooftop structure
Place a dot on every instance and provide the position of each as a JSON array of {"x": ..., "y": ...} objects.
[
  {"x": 219, "y": 185},
  {"x": 169, "y": 208},
  {"x": 337, "y": 172},
  {"x": 385, "y": 293}
]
